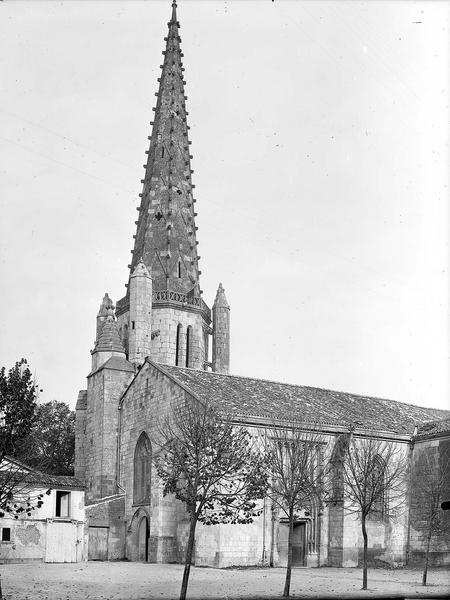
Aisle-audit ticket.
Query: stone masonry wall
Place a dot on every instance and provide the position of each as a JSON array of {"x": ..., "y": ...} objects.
[
  {"x": 104, "y": 390},
  {"x": 152, "y": 396},
  {"x": 110, "y": 513},
  {"x": 163, "y": 348},
  {"x": 164, "y": 331},
  {"x": 426, "y": 453},
  {"x": 80, "y": 444}
]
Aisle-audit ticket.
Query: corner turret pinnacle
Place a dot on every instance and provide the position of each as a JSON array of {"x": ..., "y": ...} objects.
[
  {"x": 221, "y": 333},
  {"x": 140, "y": 270},
  {"x": 221, "y": 299},
  {"x": 106, "y": 307}
]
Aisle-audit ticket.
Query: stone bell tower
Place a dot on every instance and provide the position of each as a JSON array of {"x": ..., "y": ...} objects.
[{"x": 174, "y": 323}]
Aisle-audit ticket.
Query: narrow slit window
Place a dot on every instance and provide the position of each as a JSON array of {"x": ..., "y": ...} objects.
[
  {"x": 179, "y": 270},
  {"x": 178, "y": 347},
  {"x": 188, "y": 346},
  {"x": 162, "y": 152}
]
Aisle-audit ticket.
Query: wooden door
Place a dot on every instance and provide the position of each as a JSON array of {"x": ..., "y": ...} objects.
[
  {"x": 61, "y": 542},
  {"x": 143, "y": 535},
  {"x": 298, "y": 545},
  {"x": 98, "y": 543}
]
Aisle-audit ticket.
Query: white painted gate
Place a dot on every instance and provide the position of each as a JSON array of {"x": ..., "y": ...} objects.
[{"x": 62, "y": 542}]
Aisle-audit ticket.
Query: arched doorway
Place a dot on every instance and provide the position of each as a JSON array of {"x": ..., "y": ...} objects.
[{"x": 143, "y": 534}]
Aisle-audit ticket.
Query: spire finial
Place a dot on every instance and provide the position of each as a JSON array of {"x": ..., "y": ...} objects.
[{"x": 174, "y": 12}]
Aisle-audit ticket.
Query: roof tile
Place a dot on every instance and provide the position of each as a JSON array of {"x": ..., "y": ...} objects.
[{"x": 245, "y": 396}]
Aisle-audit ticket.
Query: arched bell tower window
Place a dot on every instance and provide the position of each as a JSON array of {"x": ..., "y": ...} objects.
[
  {"x": 188, "y": 346},
  {"x": 142, "y": 470},
  {"x": 178, "y": 346}
]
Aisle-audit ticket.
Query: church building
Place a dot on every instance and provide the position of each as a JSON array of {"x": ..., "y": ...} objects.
[{"x": 161, "y": 346}]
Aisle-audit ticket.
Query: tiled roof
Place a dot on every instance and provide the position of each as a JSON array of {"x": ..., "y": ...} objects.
[
  {"x": 244, "y": 396},
  {"x": 18, "y": 471},
  {"x": 116, "y": 363},
  {"x": 81, "y": 400},
  {"x": 53, "y": 481},
  {"x": 434, "y": 428}
]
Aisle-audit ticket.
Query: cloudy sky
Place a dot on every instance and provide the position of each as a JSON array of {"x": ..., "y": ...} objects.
[{"x": 320, "y": 142}]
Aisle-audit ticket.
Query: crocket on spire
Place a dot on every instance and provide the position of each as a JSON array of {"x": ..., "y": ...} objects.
[{"x": 166, "y": 233}]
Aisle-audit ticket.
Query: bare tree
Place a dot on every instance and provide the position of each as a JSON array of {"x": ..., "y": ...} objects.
[
  {"x": 429, "y": 488},
  {"x": 210, "y": 465},
  {"x": 18, "y": 495},
  {"x": 373, "y": 472},
  {"x": 295, "y": 467}
]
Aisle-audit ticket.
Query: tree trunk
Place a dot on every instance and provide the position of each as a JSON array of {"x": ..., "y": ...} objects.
[
  {"x": 427, "y": 554},
  {"x": 287, "y": 583},
  {"x": 188, "y": 558},
  {"x": 364, "y": 532}
]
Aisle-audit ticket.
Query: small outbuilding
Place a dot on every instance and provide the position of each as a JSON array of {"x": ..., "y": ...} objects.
[{"x": 54, "y": 531}]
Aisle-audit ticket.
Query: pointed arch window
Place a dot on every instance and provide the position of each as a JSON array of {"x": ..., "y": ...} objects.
[
  {"x": 337, "y": 469},
  {"x": 377, "y": 490},
  {"x": 178, "y": 347},
  {"x": 188, "y": 346},
  {"x": 142, "y": 470}
]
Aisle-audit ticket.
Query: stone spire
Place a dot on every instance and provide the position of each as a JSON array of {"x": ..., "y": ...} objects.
[
  {"x": 108, "y": 343},
  {"x": 221, "y": 333},
  {"x": 166, "y": 233},
  {"x": 109, "y": 340}
]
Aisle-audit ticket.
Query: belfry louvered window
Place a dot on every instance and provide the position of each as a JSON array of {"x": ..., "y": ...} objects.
[
  {"x": 178, "y": 347},
  {"x": 142, "y": 470}
]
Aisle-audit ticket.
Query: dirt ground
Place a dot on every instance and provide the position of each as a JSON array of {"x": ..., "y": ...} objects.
[{"x": 139, "y": 581}]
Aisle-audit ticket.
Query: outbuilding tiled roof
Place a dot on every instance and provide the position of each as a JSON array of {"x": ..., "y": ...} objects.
[
  {"x": 13, "y": 470},
  {"x": 52, "y": 481},
  {"x": 245, "y": 396}
]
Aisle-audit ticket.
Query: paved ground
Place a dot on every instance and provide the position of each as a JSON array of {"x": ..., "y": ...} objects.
[{"x": 137, "y": 581}]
